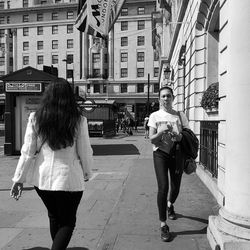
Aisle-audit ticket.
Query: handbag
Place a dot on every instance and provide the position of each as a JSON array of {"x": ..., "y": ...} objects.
[{"x": 190, "y": 166}]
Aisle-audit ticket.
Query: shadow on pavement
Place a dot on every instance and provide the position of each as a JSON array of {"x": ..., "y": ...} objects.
[
  {"x": 44, "y": 248},
  {"x": 115, "y": 149},
  {"x": 192, "y": 218}
]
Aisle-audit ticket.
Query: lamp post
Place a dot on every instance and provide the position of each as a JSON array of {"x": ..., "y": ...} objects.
[
  {"x": 69, "y": 61},
  {"x": 167, "y": 72},
  {"x": 148, "y": 95}
]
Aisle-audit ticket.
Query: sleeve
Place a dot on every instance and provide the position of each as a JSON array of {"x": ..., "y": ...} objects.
[
  {"x": 84, "y": 149},
  {"x": 28, "y": 151},
  {"x": 151, "y": 121},
  {"x": 184, "y": 120}
]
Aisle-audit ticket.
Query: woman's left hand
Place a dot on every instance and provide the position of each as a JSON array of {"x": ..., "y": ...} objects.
[
  {"x": 176, "y": 137},
  {"x": 16, "y": 190}
]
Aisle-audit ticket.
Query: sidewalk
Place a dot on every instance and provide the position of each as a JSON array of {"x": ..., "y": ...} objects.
[{"x": 118, "y": 210}]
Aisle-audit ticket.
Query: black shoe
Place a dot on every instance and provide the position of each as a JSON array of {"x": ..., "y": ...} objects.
[
  {"x": 165, "y": 234},
  {"x": 171, "y": 213}
]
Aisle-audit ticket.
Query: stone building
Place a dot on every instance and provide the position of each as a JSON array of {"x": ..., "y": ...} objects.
[
  {"x": 122, "y": 68},
  {"x": 204, "y": 47}
]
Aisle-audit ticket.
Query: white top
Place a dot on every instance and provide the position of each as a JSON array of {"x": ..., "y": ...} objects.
[
  {"x": 162, "y": 120},
  {"x": 61, "y": 169}
]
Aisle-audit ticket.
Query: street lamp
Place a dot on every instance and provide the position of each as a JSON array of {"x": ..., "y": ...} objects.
[{"x": 69, "y": 61}]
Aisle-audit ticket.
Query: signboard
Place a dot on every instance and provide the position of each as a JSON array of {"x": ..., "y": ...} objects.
[
  {"x": 23, "y": 87},
  {"x": 89, "y": 105}
]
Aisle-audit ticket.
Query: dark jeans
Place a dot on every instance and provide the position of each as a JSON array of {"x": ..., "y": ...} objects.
[
  {"x": 62, "y": 207},
  {"x": 164, "y": 164}
]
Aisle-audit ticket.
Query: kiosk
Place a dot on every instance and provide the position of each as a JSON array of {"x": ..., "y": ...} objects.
[{"x": 23, "y": 89}]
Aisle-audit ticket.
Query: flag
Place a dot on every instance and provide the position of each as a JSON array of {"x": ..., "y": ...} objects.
[{"x": 97, "y": 17}]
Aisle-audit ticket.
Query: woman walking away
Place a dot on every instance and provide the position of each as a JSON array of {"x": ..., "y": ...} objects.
[
  {"x": 165, "y": 126},
  {"x": 58, "y": 132}
]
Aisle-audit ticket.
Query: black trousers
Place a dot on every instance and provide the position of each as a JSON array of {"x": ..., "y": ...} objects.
[
  {"x": 164, "y": 165},
  {"x": 62, "y": 207}
]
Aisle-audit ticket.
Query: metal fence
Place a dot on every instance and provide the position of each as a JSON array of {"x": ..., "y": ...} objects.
[{"x": 209, "y": 146}]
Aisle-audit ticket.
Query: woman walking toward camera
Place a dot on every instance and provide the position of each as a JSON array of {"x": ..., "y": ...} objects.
[
  {"x": 165, "y": 127},
  {"x": 58, "y": 132}
]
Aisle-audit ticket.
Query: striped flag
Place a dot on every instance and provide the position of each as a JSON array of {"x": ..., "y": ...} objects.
[{"x": 97, "y": 17}]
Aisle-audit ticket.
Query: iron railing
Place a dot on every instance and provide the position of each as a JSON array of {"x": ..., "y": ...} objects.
[{"x": 209, "y": 146}]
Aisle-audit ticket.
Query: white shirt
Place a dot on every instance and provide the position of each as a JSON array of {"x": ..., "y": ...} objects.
[
  {"x": 61, "y": 169},
  {"x": 161, "y": 120}
]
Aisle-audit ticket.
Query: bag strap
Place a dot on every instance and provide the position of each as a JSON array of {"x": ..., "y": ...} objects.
[{"x": 179, "y": 114}]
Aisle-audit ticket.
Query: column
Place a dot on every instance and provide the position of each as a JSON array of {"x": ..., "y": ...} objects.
[
  {"x": 231, "y": 228},
  {"x": 85, "y": 55}
]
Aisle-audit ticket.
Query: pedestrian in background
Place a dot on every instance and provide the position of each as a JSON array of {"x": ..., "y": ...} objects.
[
  {"x": 59, "y": 132},
  {"x": 165, "y": 126},
  {"x": 146, "y": 127}
]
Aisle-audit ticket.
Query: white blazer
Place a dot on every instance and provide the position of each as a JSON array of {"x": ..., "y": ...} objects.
[{"x": 61, "y": 169}]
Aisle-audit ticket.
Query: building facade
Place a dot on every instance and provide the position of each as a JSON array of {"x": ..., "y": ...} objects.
[
  {"x": 204, "y": 47},
  {"x": 123, "y": 67}
]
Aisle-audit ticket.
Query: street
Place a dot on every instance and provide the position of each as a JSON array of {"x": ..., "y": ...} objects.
[{"x": 118, "y": 210}]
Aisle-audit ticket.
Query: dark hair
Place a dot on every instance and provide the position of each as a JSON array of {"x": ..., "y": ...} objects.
[
  {"x": 58, "y": 116},
  {"x": 165, "y": 87}
]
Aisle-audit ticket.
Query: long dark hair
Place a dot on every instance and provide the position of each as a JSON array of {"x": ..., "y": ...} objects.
[{"x": 58, "y": 115}]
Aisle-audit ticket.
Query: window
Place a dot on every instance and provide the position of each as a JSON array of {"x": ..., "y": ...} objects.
[
  {"x": 106, "y": 58},
  {"x": 54, "y": 44},
  {"x": 2, "y": 20},
  {"x": 124, "y": 12},
  {"x": 54, "y": 16},
  {"x": 39, "y": 17},
  {"x": 55, "y": 29},
  {"x": 140, "y": 56},
  {"x": 156, "y": 55},
  {"x": 104, "y": 88},
  {"x": 25, "y": 46},
  {"x": 88, "y": 88},
  {"x": 140, "y": 40},
  {"x": 25, "y": 18},
  {"x": 140, "y": 72},
  {"x": 156, "y": 72},
  {"x": 96, "y": 73},
  {"x": 124, "y": 41},
  {"x": 39, "y": 45},
  {"x": 70, "y": 58},
  {"x": 2, "y": 5},
  {"x": 96, "y": 57},
  {"x": 140, "y": 87},
  {"x": 25, "y": 3},
  {"x": 11, "y": 61},
  {"x": 70, "y": 15},
  {"x": 124, "y": 25},
  {"x": 54, "y": 59},
  {"x": 70, "y": 43},
  {"x": 156, "y": 87},
  {"x": 11, "y": 47},
  {"x": 124, "y": 72},
  {"x": 70, "y": 28},
  {"x": 96, "y": 88},
  {"x": 124, "y": 57},
  {"x": 141, "y": 11},
  {"x": 43, "y": 1},
  {"x": 25, "y": 60},
  {"x": 124, "y": 87},
  {"x": 70, "y": 73},
  {"x": 39, "y": 30},
  {"x": 25, "y": 31},
  {"x": 8, "y": 19},
  {"x": 39, "y": 59},
  {"x": 57, "y": 1},
  {"x": 2, "y": 46},
  {"x": 141, "y": 25},
  {"x": 2, "y": 33},
  {"x": 2, "y": 61}
]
